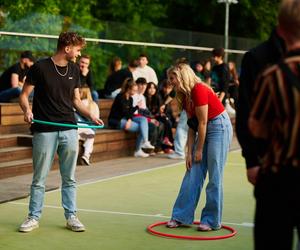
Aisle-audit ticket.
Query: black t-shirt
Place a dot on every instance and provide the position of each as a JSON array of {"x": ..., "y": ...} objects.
[
  {"x": 220, "y": 77},
  {"x": 5, "y": 78},
  {"x": 53, "y": 94},
  {"x": 115, "y": 80}
]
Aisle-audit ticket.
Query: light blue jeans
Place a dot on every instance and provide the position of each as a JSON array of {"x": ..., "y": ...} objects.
[
  {"x": 45, "y": 145},
  {"x": 217, "y": 142},
  {"x": 138, "y": 124},
  {"x": 181, "y": 134}
]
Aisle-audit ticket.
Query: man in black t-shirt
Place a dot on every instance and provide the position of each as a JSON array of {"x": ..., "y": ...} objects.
[
  {"x": 86, "y": 76},
  {"x": 114, "y": 82},
  {"x": 220, "y": 76},
  {"x": 55, "y": 81},
  {"x": 12, "y": 79}
]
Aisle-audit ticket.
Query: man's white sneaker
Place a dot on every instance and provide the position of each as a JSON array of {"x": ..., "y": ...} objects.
[
  {"x": 176, "y": 156},
  {"x": 28, "y": 225},
  {"x": 140, "y": 153},
  {"x": 74, "y": 224},
  {"x": 147, "y": 145}
]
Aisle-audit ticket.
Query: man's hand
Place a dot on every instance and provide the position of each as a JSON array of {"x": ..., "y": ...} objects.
[
  {"x": 28, "y": 116},
  {"x": 252, "y": 174}
]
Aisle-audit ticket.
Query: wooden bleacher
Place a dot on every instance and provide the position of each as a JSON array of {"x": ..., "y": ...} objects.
[{"x": 15, "y": 141}]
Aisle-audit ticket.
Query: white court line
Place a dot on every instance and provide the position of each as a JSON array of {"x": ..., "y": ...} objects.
[
  {"x": 244, "y": 224},
  {"x": 89, "y": 182}
]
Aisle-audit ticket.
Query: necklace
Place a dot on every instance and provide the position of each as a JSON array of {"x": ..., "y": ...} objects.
[{"x": 57, "y": 69}]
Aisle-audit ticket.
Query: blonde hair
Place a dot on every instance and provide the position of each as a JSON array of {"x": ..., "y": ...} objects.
[
  {"x": 85, "y": 94},
  {"x": 289, "y": 18},
  {"x": 186, "y": 77}
]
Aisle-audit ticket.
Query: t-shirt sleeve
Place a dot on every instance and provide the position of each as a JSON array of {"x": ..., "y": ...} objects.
[
  {"x": 200, "y": 95},
  {"x": 33, "y": 75},
  {"x": 76, "y": 76}
]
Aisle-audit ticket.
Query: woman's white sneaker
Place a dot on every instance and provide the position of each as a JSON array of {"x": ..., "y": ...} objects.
[
  {"x": 140, "y": 153},
  {"x": 28, "y": 225}
]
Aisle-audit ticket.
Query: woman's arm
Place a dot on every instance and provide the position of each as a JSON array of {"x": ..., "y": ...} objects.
[
  {"x": 201, "y": 114},
  {"x": 82, "y": 109},
  {"x": 190, "y": 143}
]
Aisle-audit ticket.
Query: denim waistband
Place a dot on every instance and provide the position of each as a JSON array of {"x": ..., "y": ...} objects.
[{"x": 223, "y": 114}]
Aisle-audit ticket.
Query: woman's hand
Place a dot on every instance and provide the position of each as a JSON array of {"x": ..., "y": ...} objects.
[
  {"x": 128, "y": 124},
  {"x": 188, "y": 161},
  {"x": 198, "y": 155}
]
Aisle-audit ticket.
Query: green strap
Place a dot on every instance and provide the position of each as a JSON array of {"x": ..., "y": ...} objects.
[{"x": 67, "y": 125}]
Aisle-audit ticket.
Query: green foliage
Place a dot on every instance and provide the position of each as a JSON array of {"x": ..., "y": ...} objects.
[{"x": 134, "y": 20}]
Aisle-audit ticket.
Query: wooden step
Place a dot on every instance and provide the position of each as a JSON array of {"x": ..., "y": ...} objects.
[
  {"x": 20, "y": 167},
  {"x": 15, "y": 153},
  {"x": 10, "y": 140}
]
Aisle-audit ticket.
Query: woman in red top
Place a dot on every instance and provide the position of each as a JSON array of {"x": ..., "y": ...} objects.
[{"x": 209, "y": 137}]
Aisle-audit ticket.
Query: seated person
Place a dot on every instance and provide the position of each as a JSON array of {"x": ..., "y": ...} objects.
[
  {"x": 154, "y": 102},
  {"x": 113, "y": 83},
  {"x": 140, "y": 100},
  {"x": 86, "y": 77},
  {"x": 115, "y": 65},
  {"x": 12, "y": 79},
  {"x": 87, "y": 135},
  {"x": 121, "y": 116}
]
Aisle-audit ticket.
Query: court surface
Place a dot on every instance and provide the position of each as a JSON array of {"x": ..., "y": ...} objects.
[{"x": 117, "y": 210}]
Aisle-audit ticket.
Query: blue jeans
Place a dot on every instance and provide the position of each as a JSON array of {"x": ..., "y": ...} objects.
[
  {"x": 8, "y": 94},
  {"x": 181, "y": 134},
  {"x": 138, "y": 124},
  {"x": 216, "y": 146},
  {"x": 45, "y": 145}
]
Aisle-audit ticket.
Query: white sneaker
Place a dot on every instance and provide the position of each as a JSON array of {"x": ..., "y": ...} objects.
[
  {"x": 176, "y": 156},
  {"x": 147, "y": 145},
  {"x": 140, "y": 153},
  {"x": 86, "y": 160},
  {"x": 74, "y": 224},
  {"x": 28, "y": 225}
]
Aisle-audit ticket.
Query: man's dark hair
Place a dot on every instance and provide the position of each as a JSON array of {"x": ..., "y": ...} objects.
[
  {"x": 141, "y": 81},
  {"x": 69, "y": 39},
  {"x": 27, "y": 54},
  {"x": 218, "y": 52},
  {"x": 133, "y": 64},
  {"x": 143, "y": 55}
]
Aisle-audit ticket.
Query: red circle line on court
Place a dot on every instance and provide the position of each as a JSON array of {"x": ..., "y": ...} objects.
[{"x": 186, "y": 237}]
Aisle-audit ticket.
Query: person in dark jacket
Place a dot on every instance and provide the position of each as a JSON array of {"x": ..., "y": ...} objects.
[{"x": 254, "y": 61}]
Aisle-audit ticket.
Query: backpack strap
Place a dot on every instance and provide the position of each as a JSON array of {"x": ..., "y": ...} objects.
[{"x": 290, "y": 76}]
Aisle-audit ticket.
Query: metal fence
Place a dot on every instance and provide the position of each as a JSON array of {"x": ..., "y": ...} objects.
[{"x": 39, "y": 32}]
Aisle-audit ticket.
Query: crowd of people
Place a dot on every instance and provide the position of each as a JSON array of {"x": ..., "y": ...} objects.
[{"x": 155, "y": 112}]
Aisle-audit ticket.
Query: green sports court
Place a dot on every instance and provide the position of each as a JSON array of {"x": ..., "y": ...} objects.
[{"x": 117, "y": 210}]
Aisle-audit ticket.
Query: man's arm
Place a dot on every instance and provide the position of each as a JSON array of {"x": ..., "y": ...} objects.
[
  {"x": 24, "y": 103},
  {"x": 14, "y": 80}
]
